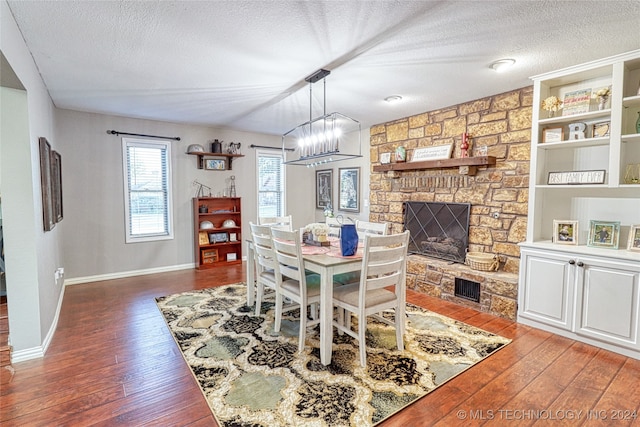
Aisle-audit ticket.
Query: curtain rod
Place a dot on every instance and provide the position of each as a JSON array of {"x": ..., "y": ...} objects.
[
  {"x": 115, "y": 132},
  {"x": 271, "y": 148}
]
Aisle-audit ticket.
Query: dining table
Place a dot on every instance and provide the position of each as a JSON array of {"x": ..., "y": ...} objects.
[{"x": 326, "y": 261}]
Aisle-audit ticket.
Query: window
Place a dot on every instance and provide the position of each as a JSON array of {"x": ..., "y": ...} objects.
[
  {"x": 147, "y": 189},
  {"x": 271, "y": 194}
]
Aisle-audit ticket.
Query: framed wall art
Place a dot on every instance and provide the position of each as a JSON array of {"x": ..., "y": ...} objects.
[
  {"x": 565, "y": 232},
  {"x": 46, "y": 184},
  {"x": 349, "y": 199},
  {"x": 56, "y": 185},
  {"x": 215, "y": 164},
  {"x": 634, "y": 238},
  {"x": 555, "y": 134},
  {"x": 604, "y": 234},
  {"x": 324, "y": 188}
]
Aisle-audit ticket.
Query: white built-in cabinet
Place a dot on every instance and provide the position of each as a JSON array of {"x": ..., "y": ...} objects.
[
  {"x": 583, "y": 292},
  {"x": 594, "y": 299}
]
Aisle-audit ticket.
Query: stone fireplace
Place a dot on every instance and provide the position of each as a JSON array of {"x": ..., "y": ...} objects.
[{"x": 496, "y": 193}]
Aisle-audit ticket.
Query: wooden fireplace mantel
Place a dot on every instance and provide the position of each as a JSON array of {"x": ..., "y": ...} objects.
[{"x": 437, "y": 164}]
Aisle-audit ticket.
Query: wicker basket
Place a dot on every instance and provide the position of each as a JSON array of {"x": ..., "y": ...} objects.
[{"x": 482, "y": 261}]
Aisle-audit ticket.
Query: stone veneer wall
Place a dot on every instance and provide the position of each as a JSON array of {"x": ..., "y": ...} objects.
[{"x": 498, "y": 194}]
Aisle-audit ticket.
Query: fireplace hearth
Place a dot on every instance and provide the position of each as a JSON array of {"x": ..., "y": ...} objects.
[{"x": 438, "y": 229}]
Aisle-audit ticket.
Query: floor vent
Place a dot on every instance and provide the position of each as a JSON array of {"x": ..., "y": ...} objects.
[{"x": 467, "y": 289}]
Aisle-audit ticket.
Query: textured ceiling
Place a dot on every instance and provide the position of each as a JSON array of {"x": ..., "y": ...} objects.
[{"x": 242, "y": 64}]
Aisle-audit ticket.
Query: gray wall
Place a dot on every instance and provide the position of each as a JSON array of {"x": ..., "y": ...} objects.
[
  {"x": 31, "y": 255},
  {"x": 94, "y": 246}
]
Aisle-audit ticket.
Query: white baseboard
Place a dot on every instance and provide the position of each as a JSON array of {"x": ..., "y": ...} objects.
[
  {"x": 39, "y": 351},
  {"x": 123, "y": 274},
  {"x": 27, "y": 354}
]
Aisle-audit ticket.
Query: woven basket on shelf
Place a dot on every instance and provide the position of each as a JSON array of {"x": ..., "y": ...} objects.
[{"x": 482, "y": 261}]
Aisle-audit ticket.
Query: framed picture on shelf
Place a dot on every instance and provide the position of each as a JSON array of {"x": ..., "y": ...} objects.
[
  {"x": 215, "y": 164},
  {"x": 576, "y": 102},
  {"x": 576, "y": 177},
  {"x": 565, "y": 232},
  {"x": 555, "y": 134},
  {"x": 385, "y": 158},
  {"x": 601, "y": 129},
  {"x": 634, "y": 238},
  {"x": 324, "y": 188},
  {"x": 604, "y": 234},
  {"x": 203, "y": 238},
  {"x": 218, "y": 237},
  {"x": 349, "y": 199}
]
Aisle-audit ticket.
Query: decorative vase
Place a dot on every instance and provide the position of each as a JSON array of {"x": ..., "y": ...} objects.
[
  {"x": 348, "y": 239},
  {"x": 638, "y": 123},
  {"x": 602, "y": 102},
  {"x": 551, "y": 113}
]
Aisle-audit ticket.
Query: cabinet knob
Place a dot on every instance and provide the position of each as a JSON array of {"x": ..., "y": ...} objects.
[
  {"x": 572, "y": 261},
  {"x": 580, "y": 264}
]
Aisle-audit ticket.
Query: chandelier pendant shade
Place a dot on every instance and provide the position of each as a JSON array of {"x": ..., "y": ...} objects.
[{"x": 329, "y": 138}]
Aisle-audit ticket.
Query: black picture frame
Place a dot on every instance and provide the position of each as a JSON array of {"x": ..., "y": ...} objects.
[
  {"x": 56, "y": 183},
  {"x": 324, "y": 188},
  {"x": 46, "y": 185},
  {"x": 349, "y": 193}
]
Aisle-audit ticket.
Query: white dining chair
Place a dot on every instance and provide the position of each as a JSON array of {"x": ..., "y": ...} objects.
[
  {"x": 334, "y": 226},
  {"x": 302, "y": 288},
  {"x": 282, "y": 222},
  {"x": 371, "y": 228},
  {"x": 267, "y": 275},
  {"x": 383, "y": 266}
]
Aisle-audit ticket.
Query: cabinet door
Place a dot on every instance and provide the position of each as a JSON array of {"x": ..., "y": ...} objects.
[
  {"x": 607, "y": 302},
  {"x": 547, "y": 292}
]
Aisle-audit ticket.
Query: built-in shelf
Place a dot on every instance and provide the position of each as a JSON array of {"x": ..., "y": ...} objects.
[
  {"x": 437, "y": 164},
  {"x": 228, "y": 157}
]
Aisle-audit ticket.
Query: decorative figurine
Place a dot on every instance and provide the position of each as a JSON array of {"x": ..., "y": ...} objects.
[{"x": 464, "y": 147}]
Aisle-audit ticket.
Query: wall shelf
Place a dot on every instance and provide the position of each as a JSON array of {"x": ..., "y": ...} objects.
[
  {"x": 437, "y": 164},
  {"x": 228, "y": 158}
]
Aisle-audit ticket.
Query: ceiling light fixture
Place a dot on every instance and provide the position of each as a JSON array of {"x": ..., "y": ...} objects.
[
  {"x": 393, "y": 99},
  {"x": 329, "y": 138},
  {"x": 502, "y": 64}
]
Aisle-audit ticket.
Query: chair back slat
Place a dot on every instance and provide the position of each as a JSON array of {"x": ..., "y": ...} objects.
[
  {"x": 288, "y": 253},
  {"x": 366, "y": 228},
  {"x": 384, "y": 263},
  {"x": 263, "y": 246},
  {"x": 280, "y": 222}
]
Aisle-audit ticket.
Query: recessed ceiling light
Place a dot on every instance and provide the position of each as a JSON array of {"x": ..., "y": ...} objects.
[
  {"x": 502, "y": 64},
  {"x": 393, "y": 99}
]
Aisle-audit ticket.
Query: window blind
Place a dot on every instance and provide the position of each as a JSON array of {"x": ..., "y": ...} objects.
[
  {"x": 147, "y": 182},
  {"x": 270, "y": 184}
]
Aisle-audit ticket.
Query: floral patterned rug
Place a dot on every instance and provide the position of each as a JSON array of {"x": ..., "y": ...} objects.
[{"x": 252, "y": 376}]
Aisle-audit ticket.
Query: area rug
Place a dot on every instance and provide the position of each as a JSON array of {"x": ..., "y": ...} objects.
[{"x": 252, "y": 376}]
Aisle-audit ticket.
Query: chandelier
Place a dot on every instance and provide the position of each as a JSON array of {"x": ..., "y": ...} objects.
[{"x": 329, "y": 138}]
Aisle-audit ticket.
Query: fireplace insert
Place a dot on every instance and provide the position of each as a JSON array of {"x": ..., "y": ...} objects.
[{"x": 438, "y": 229}]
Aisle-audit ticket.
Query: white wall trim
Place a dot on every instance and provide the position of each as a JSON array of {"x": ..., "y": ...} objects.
[
  {"x": 27, "y": 354},
  {"x": 123, "y": 274},
  {"x": 37, "y": 352}
]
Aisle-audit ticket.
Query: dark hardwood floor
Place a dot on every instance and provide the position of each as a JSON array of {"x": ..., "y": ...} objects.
[{"x": 112, "y": 361}]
